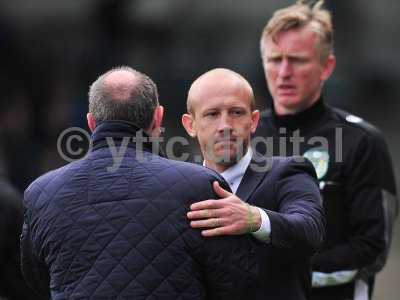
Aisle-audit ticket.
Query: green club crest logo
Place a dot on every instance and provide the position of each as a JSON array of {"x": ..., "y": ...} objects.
[{"x": 320, "y": 160}]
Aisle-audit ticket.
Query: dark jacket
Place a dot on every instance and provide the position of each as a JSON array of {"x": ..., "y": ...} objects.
[
  {"x": 357, "y": 186},
  {"x": 12, "y": 285},
  {"x": 122, "y": 233},
  {"x": 286, "y": 189}
]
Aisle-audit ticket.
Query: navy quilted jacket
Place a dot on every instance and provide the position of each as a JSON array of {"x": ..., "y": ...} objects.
[{"x": 92, "y": 233}]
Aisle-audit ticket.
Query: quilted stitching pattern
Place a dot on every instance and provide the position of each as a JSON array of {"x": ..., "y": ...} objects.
[{"x": 118, "y": 235}]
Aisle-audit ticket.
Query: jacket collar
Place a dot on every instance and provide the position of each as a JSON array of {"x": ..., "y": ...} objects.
[
  {"x": 255, "y": 172},
  {"x": 302, "y": 119},
  {"x": 118, "y": 131}
]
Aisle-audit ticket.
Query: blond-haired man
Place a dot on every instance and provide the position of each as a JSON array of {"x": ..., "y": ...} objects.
[{"x": 350, "y": 156}]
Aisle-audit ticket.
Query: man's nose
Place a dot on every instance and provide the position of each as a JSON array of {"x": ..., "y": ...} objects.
[
  {"x": 285, "y": 69},
  {"x": 225, "y": 123}
]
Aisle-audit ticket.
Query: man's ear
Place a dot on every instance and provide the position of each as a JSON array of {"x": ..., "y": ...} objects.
[
  {"x": 255, "y": 117},
  {"x": 328, "y": 68},
  {"x": 90, "y": 121},
  {"x": 155, "y": 127},
  {"x": 188, "y": 123},
  {"x": 158, "y": 116}
]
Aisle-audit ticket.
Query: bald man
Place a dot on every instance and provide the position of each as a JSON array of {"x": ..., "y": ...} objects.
[
  {"x": 276, "y": 200},
  {"x": 113, "y": 225}
]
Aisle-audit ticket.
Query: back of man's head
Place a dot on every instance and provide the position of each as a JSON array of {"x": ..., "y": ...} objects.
[{"x": 123, "y": 94}]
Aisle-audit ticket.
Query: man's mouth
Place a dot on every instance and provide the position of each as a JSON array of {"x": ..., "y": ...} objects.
[
  {"x": 286, "y": 88},
  {"x": 225, "y": 140}
]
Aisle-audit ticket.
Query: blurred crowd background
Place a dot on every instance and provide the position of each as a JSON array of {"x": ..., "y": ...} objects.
[{"x": 50, "y": 51}]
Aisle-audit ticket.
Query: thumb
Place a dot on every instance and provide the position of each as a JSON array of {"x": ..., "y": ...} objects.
[{"x": 220, "y": 191}]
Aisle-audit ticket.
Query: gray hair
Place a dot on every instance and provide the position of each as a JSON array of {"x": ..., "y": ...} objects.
[{"x": 134, "y": 102}]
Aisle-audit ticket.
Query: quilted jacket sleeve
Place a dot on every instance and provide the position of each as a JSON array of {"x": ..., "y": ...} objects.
[
  {"x": 230, "y": 267},
  {"x": 228, "y": 263},
  {"x": 34, "y": 270}
]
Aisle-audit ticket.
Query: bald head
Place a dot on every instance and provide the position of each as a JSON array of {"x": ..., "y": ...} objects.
[
  {"x": 119, "y": 84},
  {"x": 221, "y": 116},
  {"x": 123, "y": 94},
  {"x": 218, "y": 82}
]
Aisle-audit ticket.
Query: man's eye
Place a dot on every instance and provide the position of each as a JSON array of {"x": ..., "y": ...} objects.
[
  {"x": 237, "y": 113},
  {"x": 298, "y": 60},
  {"x": 211, "y": 114},
  {"x": 274, "y": 60}
]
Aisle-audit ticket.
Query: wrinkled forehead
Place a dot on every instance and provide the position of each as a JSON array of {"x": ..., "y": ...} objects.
[{"x": 293, "y": 40}]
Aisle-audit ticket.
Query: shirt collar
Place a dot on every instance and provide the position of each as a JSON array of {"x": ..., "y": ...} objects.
[{"x": 234, "y": 174}]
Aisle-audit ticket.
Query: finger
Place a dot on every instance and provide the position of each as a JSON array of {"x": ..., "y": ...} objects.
[
  {"x": 210, "y": 223},
  {"x": 207, "y": 204},
  {"x": 220, "y": 191},
  {"x": 205, "y": 214},
  {"x": 231, "y": 229},
  {"x": 218, "y": 231}
]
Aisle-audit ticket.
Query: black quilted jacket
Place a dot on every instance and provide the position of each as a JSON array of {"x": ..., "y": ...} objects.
[{"x": 95, "y": 233}]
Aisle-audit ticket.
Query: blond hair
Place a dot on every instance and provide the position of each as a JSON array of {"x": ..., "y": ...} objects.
[{"x": 298, "y": 16}]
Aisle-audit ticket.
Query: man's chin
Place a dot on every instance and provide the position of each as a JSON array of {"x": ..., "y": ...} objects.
[
  {"x": 288, "y": 101},
  {"x": 226, "y": 162},
  {"x": 227, "y": 159},
  {"x": 225, "y": 156}
]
